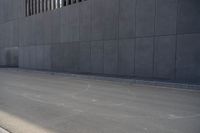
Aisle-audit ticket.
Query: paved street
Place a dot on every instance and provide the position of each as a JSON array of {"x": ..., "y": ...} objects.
[{"x": 33, "y": 102}]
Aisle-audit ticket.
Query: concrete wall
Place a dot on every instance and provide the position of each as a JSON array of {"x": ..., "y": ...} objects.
[
  {"x": 154, "y": 39},
  {"x": 11, "y": 11}
]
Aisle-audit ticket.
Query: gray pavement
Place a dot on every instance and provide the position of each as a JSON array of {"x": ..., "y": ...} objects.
[
  {"x": 3, "y": 130},
  {"x": 39, "y": 102}
]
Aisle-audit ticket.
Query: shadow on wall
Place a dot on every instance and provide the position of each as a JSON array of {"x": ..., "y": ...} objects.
[{"x": 9, "y": 57}]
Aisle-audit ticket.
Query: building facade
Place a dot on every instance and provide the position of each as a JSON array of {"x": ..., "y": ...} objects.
[{"x": 148, "y": 39}]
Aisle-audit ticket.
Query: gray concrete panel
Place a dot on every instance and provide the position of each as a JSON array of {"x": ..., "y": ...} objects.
[
  {"x": 98, "y": 21},
  {"x": 32, "y": 36},
  {"x": 111, "y": 19},
  {"x": 188, "y": 24},
  {"x": 47, "y": 27},
  {"x": 188, "y": 58},
  {"x": 47, "y": 57},
  {"x": 55, "y": 26},
  {"x": 71, "y": 57},
  {"x": 85, "y": 57},
  {"x": 10, "y": 15},
  {"x": 26, "y": 57},
  {"x": 39, "y": 53},
  {"x": 0, "y": 55},
  {"x": 9, "y": 33},
  {"x": 166, "y": 14},
  {"x": 85, "y": 20},
  {"x": 39, "y": 29},
  {"x": 21, "y": 57},
  {"x": 188, "y": 16},
  {"x": 1, "y": 11},
  {"x": 145, "y": 17},
  {"x": 126, "y": 57},
  {"x": 16, "y": 8},
  {"x": 15, "y": 32},
  {"x": 5, "y": 7},
  {"x": 127, "y": 18},
  {"x": 1, "y": 64},
  {"x": 65, "y": 34},
  {"x": 189, "y": 7},
  {"x": 97, "y": 50},
  {"x": 11, "y": 56},
  {"x": 74, "y": 23},
  {"x": 28, "y": 31},
  {"x": 57, "y": 55},
  {"x": 54, "y": 58},
  {"x": 70, "y": 24},
  {"x": 22, "y": 32},
  {"x": 110, "y": 57},
  {"x": 6, "y": 37},
  {"x": 144, "y": 57},
  {"x": 165, "y": 57},
  {"x": 32, "y": 56},
  {"x": 2, "y": 58},
  {"x": 29, "y": 57},
  {"x": 20, "y": 8},
  {"x": 1, "y": 35}
]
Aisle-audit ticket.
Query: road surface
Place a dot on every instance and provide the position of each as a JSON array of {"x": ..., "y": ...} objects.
[{"x": 32, "y": 102}]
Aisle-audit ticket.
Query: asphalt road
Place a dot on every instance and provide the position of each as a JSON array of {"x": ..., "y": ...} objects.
[{"x": 38, "y": 103}]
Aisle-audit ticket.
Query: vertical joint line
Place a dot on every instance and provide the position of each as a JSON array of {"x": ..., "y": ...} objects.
[
  {"x": 134, "y": 65},
  {"x": 176, "y": 47},
  {"x": 154, "y": 39}
]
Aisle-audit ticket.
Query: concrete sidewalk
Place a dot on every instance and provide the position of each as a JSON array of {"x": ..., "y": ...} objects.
[
  {"x": 3, "y": 130},
  {"x": 43, "y": 103}
]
